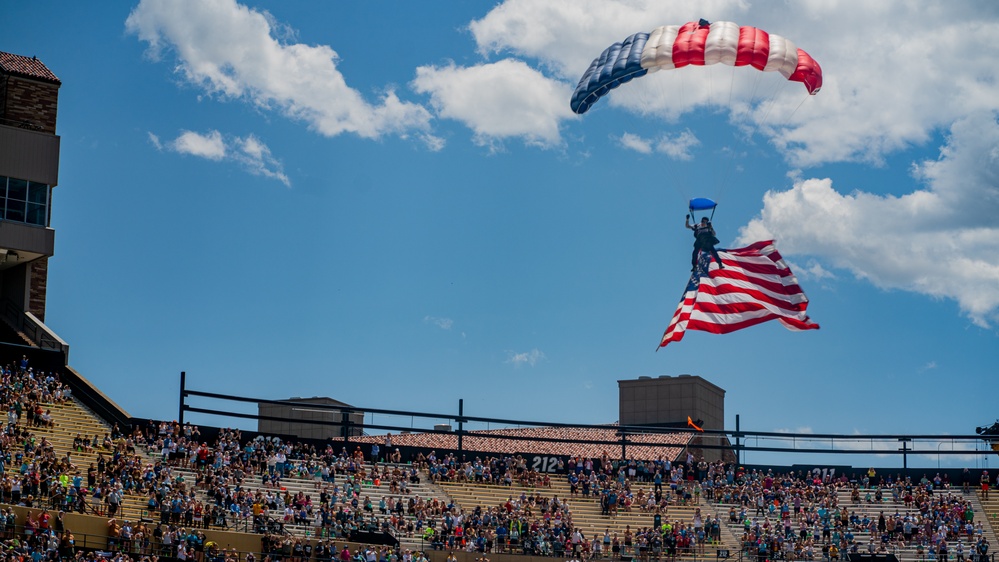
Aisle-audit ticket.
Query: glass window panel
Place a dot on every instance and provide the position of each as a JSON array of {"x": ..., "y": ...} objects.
[
  {"x": 38, "y": 193},
  {"x": 3, "y": 186},
  {"x": 17, "y": 189},
  {"x": 15, "y": 211},
  {"x": 36, "y": 214}
]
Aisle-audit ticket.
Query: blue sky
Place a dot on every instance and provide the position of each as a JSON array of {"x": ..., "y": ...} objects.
[{"x": 391, "y": 204}]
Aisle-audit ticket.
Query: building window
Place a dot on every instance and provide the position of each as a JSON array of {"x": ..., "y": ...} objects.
[{"x": 24, "y": 201}]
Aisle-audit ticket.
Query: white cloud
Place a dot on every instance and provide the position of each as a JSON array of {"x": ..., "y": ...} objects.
[
  {"x": 155, "y": 140},
  {"x": 505, "y": 99},
  {"x": 812, "y": 270},
  {"x": 257, "y": 159},
  {"x": 529, "y": 357},
  {"x": 442, "y": 323},
  {"x": 635, "y": 142},
  {"x": 941, "y": 241},
  {"x": 233, "y": 51},
  {"x": 929, "y": 64},
  {"x": 432, "y": 142},
  {"x": 676, "y": 147},
  {"x": 802, "y": 429},
  {"x": 249, "y": 152},
  {"x": 210, "y": 146}
]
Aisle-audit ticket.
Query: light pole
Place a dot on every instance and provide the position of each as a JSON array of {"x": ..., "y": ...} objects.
[{"x": 905, "y": 456}]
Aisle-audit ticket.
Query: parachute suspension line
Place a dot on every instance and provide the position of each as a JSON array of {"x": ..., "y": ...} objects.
[
  {"x": 800, "y": 103},
  {"x": 730, "y": 166},
  {"x": 681, "y": 173},
  {"x": 756, "y": 86},
  {"x": 731, "y": 89},
  {"x": 670, "y": 173},
  {"x": 683, "y": 101},
  {"x": 711, "y": 80},
  {"x": 770, "y": 102}
]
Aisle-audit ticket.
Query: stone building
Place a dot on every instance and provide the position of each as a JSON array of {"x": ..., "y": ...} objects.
[
  {"x": 308, "y": 418},
  {"x": 29, "y": 169}
]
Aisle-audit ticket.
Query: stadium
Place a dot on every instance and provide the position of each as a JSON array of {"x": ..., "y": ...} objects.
[{"x": 320, "y": 479}]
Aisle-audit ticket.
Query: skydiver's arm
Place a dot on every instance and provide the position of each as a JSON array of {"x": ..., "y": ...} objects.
[{"x": 686, "y": 223}]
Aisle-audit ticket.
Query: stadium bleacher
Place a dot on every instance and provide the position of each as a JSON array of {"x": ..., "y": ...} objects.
[{"x": 79, "y": 448}]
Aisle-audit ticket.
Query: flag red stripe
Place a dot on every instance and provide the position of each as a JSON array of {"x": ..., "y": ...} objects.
[
  {"x": 764, "y": 290},
  {"x": 718, "y": 296}
]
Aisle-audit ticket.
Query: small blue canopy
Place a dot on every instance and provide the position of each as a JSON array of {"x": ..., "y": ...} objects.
[{"x": 702, "y": 204}]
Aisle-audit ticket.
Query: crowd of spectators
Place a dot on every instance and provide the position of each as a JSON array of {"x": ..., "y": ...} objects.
[
  {"x": 240, "y": 484},
  {"x": 789, "y": 516},
  {"x": 535, "y": 523},
  {"x": 803, "y": 516},
  {"x": 45, "y": 537}
]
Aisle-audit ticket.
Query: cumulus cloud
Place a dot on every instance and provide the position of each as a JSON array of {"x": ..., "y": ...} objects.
[
  {"x": 526, "y": 358},
  {"x": 257, "y": 159},
  {"x": 249, "y": 152},
  {"x": 635, "y": 142},
  {"x": 882, "y": 91},
  {"x": 236, "y": 52},
  {"x": 676, "y": 147},
  {"x": 813, "y": 270},
  {"x": 210, "y": 145},
  {"x": 500, "y": 100},
  {"x": 941, "y": 240}
]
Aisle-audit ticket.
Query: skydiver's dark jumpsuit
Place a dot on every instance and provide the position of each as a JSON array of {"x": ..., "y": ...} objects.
[{"x": 704, "y": 239}]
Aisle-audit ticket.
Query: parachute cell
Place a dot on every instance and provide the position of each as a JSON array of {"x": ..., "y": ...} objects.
[
  {"x": 702, "y": 204},
  {"x": 694, "y": 43}
]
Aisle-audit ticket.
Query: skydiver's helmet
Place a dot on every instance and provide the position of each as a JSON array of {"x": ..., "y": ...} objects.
[{"x": 704, "y": 220}]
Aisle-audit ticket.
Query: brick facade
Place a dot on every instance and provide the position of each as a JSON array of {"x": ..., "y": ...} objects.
[
  {"x": 39, "y": 279},
  {"x": 31, "y": 102}
]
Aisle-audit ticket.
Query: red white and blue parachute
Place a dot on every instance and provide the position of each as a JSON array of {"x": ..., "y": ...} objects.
[{"x": 697, "y": 43}]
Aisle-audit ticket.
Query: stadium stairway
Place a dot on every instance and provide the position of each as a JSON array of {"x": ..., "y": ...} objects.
[
  {"x": 990, "y": 511},
  {"x": 72, "y": 419},
  {"x": 586, "y": 512}
]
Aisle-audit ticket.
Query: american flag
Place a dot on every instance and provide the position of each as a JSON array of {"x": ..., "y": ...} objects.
[{"x": 755, "y": 286}]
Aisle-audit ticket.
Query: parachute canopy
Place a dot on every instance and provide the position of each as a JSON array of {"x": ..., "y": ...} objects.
[
  {"x": 702, "y": 204},
  {"x": 696, "y": 43}
]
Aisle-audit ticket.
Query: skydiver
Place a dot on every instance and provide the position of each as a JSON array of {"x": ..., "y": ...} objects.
[{"x": 704, "y": 240}]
